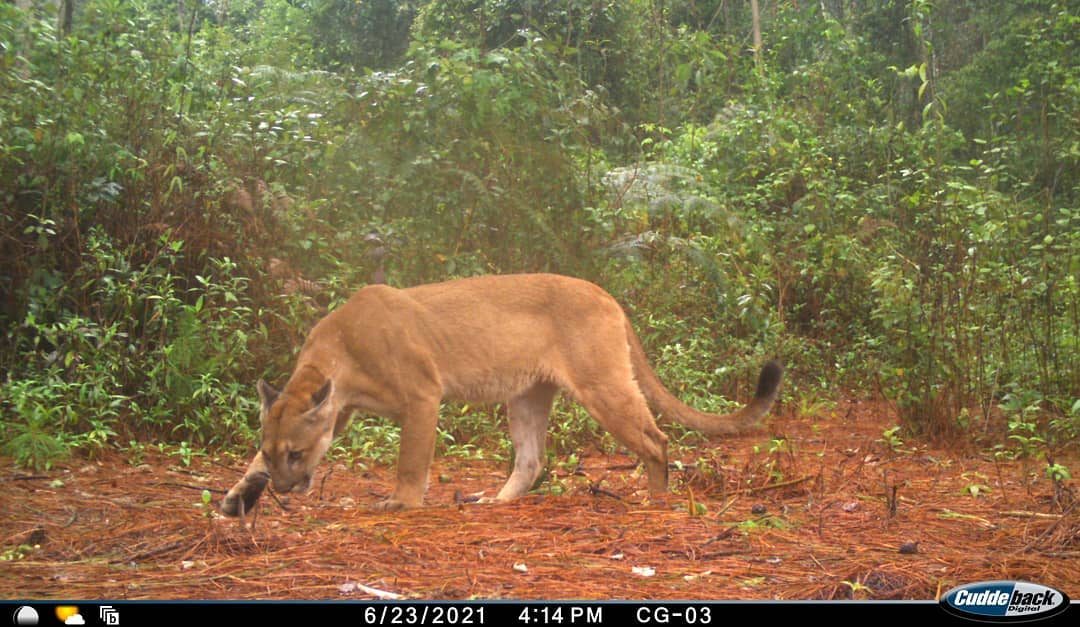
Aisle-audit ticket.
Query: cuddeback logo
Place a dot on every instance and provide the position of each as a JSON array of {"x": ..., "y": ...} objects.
[{"x": 1004, "y": 601}]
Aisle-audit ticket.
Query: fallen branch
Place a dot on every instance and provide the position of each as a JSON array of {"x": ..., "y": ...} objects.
[
  {"x": 277, "y": 500},
  {"x": 1024, "y": 514},
  {"x": 775, "y": 486},
  {"x": 596, "y": 490},
  {"x": 200, "y": 488},
  {"x": 727, "y": 505},
  {"x": 1049, "y": 530},
  {"x": 322, "y": 484},
  {"x": 28, "y": 477},
  {"x": 150, "y": 553}
]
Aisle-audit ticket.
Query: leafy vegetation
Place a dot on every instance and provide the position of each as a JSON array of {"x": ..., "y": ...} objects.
[{"x": 885, "y": 196}]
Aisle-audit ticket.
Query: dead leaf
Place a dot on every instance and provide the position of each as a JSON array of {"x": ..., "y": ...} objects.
[
  {"x": 382, "y": 595},
  {"x": 689, "y": 578}
]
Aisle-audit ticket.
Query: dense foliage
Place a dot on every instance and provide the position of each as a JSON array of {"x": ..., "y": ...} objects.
[{"x": 886, "y": 195}]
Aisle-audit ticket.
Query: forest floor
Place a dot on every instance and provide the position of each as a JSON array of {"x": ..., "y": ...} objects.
[{"x": 830, "y": 512}]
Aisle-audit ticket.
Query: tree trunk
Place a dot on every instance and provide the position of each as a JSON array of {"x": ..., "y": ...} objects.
[
  {"x": 757, "y": 32},
  {"x": 67, "y": 12}
]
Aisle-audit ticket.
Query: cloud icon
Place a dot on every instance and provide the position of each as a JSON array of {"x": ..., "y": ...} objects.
[{"x": 75, "y": 619}]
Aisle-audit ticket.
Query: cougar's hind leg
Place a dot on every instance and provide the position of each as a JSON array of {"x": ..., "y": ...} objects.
[
  {"x": 528, "y": 415},
  {"x": 621, "y": 409}
]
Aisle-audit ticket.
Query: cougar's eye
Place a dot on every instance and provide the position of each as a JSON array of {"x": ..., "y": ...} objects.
[{"x": 295, "y": 456}]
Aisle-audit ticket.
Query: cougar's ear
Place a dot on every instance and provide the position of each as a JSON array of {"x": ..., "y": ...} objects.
[
  {"x": 319, "y": 398},
  {"x": 267, "y": 394}
]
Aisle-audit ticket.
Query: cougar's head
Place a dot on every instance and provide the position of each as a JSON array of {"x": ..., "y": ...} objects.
[{"x": 297, "y": 428}]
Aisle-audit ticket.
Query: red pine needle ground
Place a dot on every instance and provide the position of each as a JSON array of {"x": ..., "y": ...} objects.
[{"x": 806, "y": 520}]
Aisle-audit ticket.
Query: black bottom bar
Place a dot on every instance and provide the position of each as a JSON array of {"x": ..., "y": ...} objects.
[{"x": 478, "y": 613}]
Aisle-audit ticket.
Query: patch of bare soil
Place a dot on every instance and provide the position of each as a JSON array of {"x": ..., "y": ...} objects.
[{"x": 831, "y": 512}]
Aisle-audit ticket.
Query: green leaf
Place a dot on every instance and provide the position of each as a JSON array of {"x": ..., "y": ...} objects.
[{"x": 497, "y": 58}]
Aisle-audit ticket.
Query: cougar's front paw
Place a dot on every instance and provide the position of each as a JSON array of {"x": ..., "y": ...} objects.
[
  {"x": 246, "y": 491},
  {"x": 393, "y": 505},
  {"x": 659, "y": 501},
  {"x": 230, "y": 505}
]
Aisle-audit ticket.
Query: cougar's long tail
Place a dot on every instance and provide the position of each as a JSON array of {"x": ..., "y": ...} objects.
[{"x": 662, "y": 402}]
